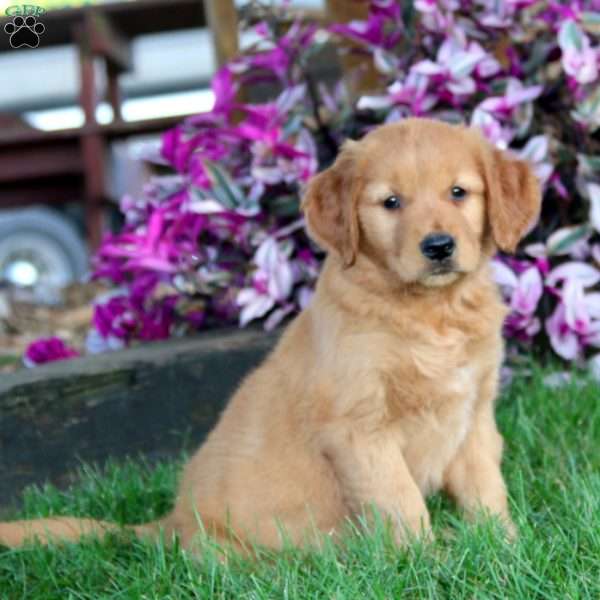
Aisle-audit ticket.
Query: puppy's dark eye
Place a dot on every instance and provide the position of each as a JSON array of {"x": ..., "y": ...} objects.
[
  {"x": 392, "y": 203},
  {"x": 458, "y": 193}
]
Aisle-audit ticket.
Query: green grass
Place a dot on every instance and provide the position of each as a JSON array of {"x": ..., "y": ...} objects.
[{"x": 552, "y": 466}]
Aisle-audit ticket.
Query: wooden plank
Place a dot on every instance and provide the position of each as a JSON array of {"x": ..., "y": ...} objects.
[
  {"x": 223, "y": 21},
  {"x": 143, "y": 401}
]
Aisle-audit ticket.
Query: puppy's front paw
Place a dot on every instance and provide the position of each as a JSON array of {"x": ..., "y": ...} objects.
[
  {"x": 416, "y": 531},
  {"x": 510, "y": 529}
]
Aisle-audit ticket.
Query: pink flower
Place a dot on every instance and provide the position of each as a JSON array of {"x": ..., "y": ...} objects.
[
  {"x": 382, "y": 30},
  {"x": 523, "y": 292},
  {"x": 371, "y": 32},
  {"x": 272, "y": 260},
  {"x": 276, "y": 58},
  {"x": 579, "y": 59},
  {"x": 492, "y": 129},
  {"x": 254, "y": 304},
  {"x": 575, "y": 323},
  {"x": 536, "y": 151},
  {"x": 593, "y": 190},
  {"x": 515, "y": 94},
  {"x": 437, "y": 15},
  {"x": 411, "y": 93},
  {"x": 580, "y": 272},
  {"x": 500, "y": 15},
  {"x": 527, "y": 292},
  {"x": 455, "y": 63},
  {"x": 564, "y": 341},
  {"x": 47, "y": 350},
  {"x": 521, "y": 327},
  {"x": 272, "y": 281},
  {"x": 127, "y": 318}
]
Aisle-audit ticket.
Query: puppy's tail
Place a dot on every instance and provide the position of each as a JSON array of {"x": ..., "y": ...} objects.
[{"x": 65, "y": 529}]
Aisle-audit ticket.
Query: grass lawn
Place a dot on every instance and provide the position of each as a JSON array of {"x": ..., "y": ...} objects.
[{"x": 552, "y": 465}]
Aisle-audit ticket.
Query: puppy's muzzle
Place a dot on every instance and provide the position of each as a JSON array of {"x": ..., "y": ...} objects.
[{"x": 438, "y": 247}]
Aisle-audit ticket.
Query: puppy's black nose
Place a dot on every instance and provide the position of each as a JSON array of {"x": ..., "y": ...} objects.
[{"x": 437, "y": 246}]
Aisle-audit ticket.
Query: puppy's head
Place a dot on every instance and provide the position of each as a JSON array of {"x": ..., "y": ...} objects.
[{"x": 424, "y": 200}]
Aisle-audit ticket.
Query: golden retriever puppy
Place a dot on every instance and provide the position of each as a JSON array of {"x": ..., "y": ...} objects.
[{"x": 382, "y": 391}]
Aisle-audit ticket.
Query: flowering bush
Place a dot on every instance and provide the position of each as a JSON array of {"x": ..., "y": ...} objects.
[{"x": 220, "y": 239}]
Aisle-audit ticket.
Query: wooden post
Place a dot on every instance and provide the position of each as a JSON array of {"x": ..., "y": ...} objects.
[
  {"x": 97, "y": 37},
  {"x": 92, "y": 143},
  {"x": 361, "y": 76},
  {"x": 223, "y": 21},
  {"x": 114, "y": 92}
]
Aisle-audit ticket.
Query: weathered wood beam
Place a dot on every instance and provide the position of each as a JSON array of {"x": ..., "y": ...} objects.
[{"x": 222, "y": 18}]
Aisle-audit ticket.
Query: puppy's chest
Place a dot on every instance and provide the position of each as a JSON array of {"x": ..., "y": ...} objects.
[
  {"x": 433, "y": 431},
  {"x": 432, "y": 373}
]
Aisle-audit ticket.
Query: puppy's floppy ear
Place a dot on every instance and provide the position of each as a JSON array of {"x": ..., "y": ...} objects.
[
  {"x": 330, "y": 207},
  {"x": 513, "y": 198}
]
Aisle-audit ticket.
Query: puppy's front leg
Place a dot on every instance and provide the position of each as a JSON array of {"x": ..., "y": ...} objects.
[
  {"x": 371, "y": 470},
  {"x": 474, "y": 477}
]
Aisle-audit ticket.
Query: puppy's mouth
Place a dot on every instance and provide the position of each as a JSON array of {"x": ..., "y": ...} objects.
[{"x": 441, "y": 274}]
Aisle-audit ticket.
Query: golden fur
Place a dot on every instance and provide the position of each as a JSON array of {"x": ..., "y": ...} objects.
[{"x": 382, "y": 391}]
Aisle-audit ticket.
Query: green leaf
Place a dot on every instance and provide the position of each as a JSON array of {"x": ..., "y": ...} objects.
[
  {"x": 293, "y": 126},
  {"x": 570, "y": 37},
  {"x": 562, "y": 240},
  {"x": 588, "y": 165},
  {"x": 285, "y": 206},
  {"x": 588, "y": 111},
  {"x": 225, "y": 190}
]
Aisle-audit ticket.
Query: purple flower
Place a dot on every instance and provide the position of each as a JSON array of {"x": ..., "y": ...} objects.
[
  {"x": 382, "y": 29},
  {"x": 580, "y": 272},
  {"x": 277, "y": 58},
  {"x": 411, "y": 93},
  {"x": 593, "y": 190},
  {"x": 575, "y": 323},
  {"x": 492, "y": 129},
  {"x": 536, "y": 151},
  {"x": 127, "y": 318},
  {"x": 527, "y": 292},
  {"x": 47, "y": 350},
  {"x": 371, "y": 32},
  {"x": 500, "y": 15},
  {"x": 272, "y": 281},
  {"x": 501, "y": 117},
  {"x": 515, "y": 94},
  {"x": 579, "y": 59},
  {"x": 437, "y": 15},
  {"x": 523, "y": 293},
  {"x": 455, "y": 63}
]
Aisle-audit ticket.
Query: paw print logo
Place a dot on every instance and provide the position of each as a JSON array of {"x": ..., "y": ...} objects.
[{"x": 24, "y": 32}]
